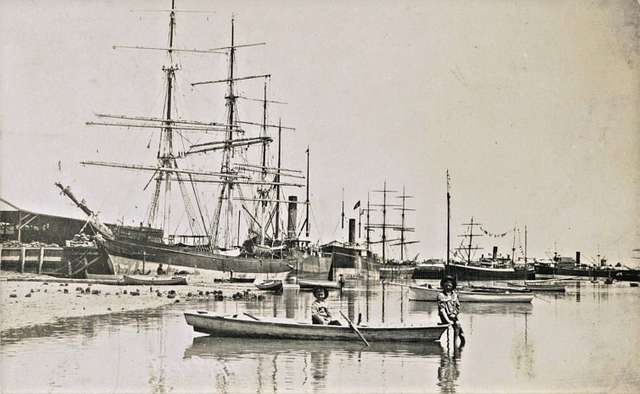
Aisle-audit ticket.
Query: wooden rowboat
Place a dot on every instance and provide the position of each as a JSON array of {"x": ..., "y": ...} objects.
[
  {"x": 540, "y": 286},
  {"x": 248, "y": 326},
  {"x": 496, "y": 289},
  {"x": 143, "y": 280},
  {"x": 312, "y": 284},
  {"x": 424, "y": 293},
  {"x": 272, "y": 284}
]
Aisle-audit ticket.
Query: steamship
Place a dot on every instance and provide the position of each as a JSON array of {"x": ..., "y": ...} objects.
[
  {"x": 568, "y": 266},
  {"x": 487, "y": 268}
]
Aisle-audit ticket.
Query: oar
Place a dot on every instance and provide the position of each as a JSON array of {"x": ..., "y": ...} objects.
[
  {"x": 354, "y": 328},
  {"x": 251, "y": 316}
]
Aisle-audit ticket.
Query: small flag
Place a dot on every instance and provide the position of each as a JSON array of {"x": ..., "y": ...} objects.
[{"x": 357, "y": 205}]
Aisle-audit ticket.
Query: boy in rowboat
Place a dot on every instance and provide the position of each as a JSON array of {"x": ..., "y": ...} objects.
[
  {"x": 319, "y": 312},
  {"x": 449, "y": 306}
]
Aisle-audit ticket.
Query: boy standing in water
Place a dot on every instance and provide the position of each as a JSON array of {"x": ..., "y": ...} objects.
[{"x": 449, "y": 306}]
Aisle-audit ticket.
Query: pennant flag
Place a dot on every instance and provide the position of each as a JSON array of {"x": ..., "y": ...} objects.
[{"x": 357, "y": 205}]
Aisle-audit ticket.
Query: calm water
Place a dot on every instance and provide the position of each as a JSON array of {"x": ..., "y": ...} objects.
[{"x": 585, "y": 340}]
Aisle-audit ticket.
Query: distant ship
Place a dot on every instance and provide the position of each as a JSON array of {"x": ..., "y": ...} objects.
[
  {"x": 569, "y": 266},
  {"x": 489, "y": 268}
]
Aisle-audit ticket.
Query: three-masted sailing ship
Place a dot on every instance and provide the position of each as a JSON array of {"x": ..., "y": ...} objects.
[
  {"x": 390, "y": 267},
  {"x": 246, "y": 188}
]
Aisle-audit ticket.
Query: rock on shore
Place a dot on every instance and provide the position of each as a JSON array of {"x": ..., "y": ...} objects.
[{"x": 33, "y": 300}]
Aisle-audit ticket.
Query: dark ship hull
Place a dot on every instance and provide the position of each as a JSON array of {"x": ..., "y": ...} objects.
[
  {"x": 476, "y": 272},
  {"x": 429, "y": 271},
  {"x": 351, "y": 262},
  {"x": 314, "y": 266},
  {"x": 593, "y": 272},
  {"x": 137, "y": 257}
]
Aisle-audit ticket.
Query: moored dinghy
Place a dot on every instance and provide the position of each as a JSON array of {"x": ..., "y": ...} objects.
[
  {"x": 426, "y": 293},
  {"x": 143, "y": 280},
  {"x": 270, "y": 284},
  {"x": 278, "y": 328},
  {"x": 540, "y": 285},
  {"x": 309, "y": 284}
]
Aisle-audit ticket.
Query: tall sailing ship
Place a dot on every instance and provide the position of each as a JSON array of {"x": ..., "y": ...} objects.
[{"x": 249, "y": 188}]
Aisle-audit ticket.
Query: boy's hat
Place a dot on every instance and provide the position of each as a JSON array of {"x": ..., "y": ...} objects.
[
  {"x": 449, "y": 278},
  {"x": 317, "y": 291}
]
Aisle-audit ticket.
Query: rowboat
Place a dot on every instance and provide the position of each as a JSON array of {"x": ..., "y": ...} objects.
[
  {"x": 539, "y": 286},
  {"x": 249, "y": 326},
  {"x": 425, "y": 293},
  {"x": 312, "y": 284},
  {"x": 497, "y": 289},
  {"x": 271, "y": 284},
  {"x": 143, "y": 280}
]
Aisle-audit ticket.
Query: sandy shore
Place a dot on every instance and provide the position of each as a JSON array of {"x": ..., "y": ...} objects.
[{"x": 28, "y": 300}]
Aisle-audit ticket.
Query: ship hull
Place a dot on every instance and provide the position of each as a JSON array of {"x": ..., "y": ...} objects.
[
  {"x": 618, "y": 274},
  {"x": 312, "y": 266},
  {"x": 429, "y": 271},
  {"x": 471, "y": 272},
  {"x": 130, "y": 257}
]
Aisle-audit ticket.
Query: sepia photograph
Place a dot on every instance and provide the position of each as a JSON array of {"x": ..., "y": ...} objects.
[{"x": 412, "y": 196}]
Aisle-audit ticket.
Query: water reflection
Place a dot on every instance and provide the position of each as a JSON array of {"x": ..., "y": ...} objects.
[
  {"x": 88, "y": 326},
  {"x": 290, "y": 302},
  {"x": 314, "y": 362},
  {"x": 546, "y": 345},
  {"x": 431, "y": 308},
  {"x": 448, "y": 370}
]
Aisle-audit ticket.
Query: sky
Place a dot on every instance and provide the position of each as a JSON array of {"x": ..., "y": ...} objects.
[{"x": 531, "y": 106}]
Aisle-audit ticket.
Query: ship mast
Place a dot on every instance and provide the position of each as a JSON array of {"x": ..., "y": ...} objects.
[
  {"x": 228, "y": 150},
  {"x": 231, "y": 169},
  {"x": 384, "y": 225},
  {"x": 448, "y": 218},
  {"x": 277, "y": 231},
  {"x": 167, "y": 159},
  {"x": 307, "y": 199},
  {"x": 367, "y": 227},
  {"x": 402, "y": 228},
  {"x": 470, "y": 235}
]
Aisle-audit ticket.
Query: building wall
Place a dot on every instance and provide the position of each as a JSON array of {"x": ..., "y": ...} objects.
[{"x": 44, "y": 228}]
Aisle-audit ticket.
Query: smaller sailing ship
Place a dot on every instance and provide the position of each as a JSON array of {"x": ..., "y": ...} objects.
[
  {"x": 390, "y": 267},
  {"x": 494, "y": 267},
  {"x": 485, "y": 268}
]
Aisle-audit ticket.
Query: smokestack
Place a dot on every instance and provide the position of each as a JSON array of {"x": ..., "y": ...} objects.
[
  {"x": 352, "y": 231},
  {"x": 495, "y": 252},
  {"x": 293, "y": 211},
  {"x": 577, "y": 258}
]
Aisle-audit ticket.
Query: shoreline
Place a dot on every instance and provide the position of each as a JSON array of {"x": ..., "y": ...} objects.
[{"x": 31, "y": 300}]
